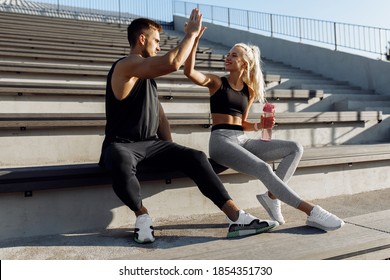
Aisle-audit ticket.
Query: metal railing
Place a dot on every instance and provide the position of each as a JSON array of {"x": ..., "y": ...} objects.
[
  {"x": 364, "y": 40},
  {"x": 122, "y": 11}
]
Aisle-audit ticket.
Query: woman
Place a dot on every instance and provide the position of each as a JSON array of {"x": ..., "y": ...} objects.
[{"x": 230, "y": 100}]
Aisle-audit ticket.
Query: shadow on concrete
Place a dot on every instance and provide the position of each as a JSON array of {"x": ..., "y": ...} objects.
[{"x": 167, "y": 237}]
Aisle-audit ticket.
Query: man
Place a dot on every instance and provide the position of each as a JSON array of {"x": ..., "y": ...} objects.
[{"x": 137, "y": 129}]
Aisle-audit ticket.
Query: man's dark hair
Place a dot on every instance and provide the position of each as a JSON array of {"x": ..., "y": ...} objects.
[{"x": 138, "y": 26}]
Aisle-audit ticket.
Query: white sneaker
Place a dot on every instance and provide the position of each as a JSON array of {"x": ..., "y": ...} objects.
[
  {"x": 143, "y": 231},
  {"x": 324, "y": 220},
  {"x": 273, "y": 207},
  {"x": 247, "y": 224}
]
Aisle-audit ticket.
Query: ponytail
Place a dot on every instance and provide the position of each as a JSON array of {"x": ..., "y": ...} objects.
[{"x": 253, "y": 74}]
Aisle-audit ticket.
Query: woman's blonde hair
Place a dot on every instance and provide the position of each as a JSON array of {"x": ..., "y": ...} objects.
[{"x": 253, "y": 74}]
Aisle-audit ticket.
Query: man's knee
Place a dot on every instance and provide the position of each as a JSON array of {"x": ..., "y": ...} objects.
[{"x": 196, "y": 155}]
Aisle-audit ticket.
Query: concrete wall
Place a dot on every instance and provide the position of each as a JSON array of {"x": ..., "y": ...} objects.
[{"x": 357, "y": 70}]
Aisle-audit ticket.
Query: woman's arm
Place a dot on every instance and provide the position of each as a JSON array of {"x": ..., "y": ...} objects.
[
  {"x": 207, "y": 80},
  {"x": 255, "y": 126},
  {"x": 249, "y": 126}
]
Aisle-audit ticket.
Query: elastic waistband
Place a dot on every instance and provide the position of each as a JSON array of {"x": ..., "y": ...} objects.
[
  {"x": 227, "y": 126},
  {"x": 118, "y": 139}
]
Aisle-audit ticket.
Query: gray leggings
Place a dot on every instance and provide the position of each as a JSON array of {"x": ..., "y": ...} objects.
[{"x": 233, "y": 149}]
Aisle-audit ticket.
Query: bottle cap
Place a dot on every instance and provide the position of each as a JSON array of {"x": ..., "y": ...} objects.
[{"x": 269, "y": 108}]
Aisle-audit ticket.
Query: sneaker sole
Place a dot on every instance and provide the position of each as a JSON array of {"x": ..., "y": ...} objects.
[
  {"x": 146, "y": 241},
  {"x": 250, "y": 231},
  {"x": 265, "y": 205},
  {"x": 315, "y": 225}
]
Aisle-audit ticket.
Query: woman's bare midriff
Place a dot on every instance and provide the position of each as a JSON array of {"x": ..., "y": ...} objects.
[{"x": 226, "y": 119}]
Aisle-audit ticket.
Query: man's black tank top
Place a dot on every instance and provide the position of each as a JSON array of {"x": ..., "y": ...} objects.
[
  {"x": 135, "y": 118},
  {"x": 229, "y": 101}
]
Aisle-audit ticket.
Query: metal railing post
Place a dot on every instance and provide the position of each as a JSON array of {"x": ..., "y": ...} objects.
[
  {"x": 229, "y": 17},
  {"x": 119, "y": 10},
  {"x": 300, "y": 30},
  {"x": 212, "y": 14},
  {"x": 380, "y": 41},
  {"x": 247, "y": 19},
  {"x": 335, "y": 36}
]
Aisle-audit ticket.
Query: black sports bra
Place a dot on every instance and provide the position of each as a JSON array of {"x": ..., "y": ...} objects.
[{"x": 229, "y": 101}]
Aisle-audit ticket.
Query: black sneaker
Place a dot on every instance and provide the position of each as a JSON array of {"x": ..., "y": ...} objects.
[{"x": 247, "y": 224}]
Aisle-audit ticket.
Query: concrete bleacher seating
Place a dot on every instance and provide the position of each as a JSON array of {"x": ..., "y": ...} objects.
[
  {"x": 52, "y": 115},
  {"x": 52, "y": 120}
]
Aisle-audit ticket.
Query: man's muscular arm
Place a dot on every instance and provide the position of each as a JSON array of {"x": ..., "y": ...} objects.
[{"x": 164, "y": 129}]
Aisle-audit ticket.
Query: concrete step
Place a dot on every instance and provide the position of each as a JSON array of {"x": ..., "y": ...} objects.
[
  {"x": 385, "y": 110},
  {"x": 329, "y": 100},
  {"x": 353, "y": 242},
  {"x": 353, "y": 105},
  {"x": 67, "y": 72},
  {"x": 329, "y": 86},
  {"x": 356, "y": 91},
  {"x": 68, "y": 145},
  {"x": 52, "y": 104},
  {"x": 75, "y": 219},
  {"x": 173, "y": 102},
  {"x": 311, "y": 82}
]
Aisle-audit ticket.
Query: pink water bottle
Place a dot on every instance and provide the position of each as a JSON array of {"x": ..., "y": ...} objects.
[{"x": 268, "y": 114}]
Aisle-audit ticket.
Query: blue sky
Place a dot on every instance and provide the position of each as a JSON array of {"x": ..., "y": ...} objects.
[{"x": 371, "y": 13}]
